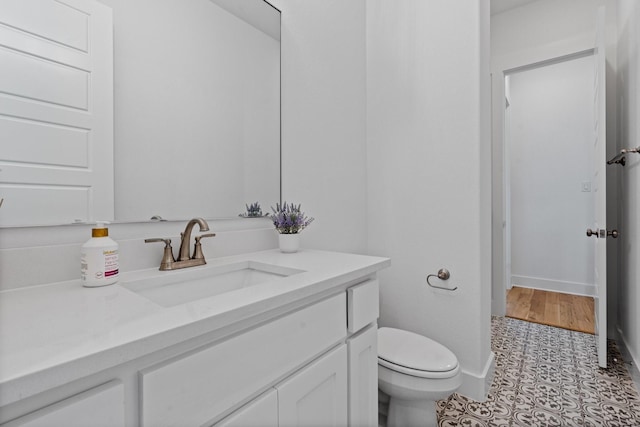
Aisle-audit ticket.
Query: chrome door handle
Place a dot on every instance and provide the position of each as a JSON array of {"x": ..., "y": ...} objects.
[
  {"x": 591, "y": 232},
  {"x": 613, "y": 233}
]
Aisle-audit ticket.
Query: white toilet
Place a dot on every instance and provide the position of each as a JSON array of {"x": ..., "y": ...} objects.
[{"x": 414, "y": 371}]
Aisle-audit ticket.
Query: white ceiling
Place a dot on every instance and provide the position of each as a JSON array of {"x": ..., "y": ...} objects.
[{"x": 499, "y": 6}]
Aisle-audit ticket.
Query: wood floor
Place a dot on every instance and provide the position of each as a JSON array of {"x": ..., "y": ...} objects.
[{"x": 551, "y": 308}]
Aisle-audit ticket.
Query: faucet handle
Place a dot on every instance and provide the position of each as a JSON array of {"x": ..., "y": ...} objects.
[
  {"x": 167, "y": 242},
  {"x": 197, "y": 249},
  {"x": 167, "y": 257}
]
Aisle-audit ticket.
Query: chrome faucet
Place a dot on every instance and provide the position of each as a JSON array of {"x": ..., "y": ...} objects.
[{"x": 184, "y": 257}]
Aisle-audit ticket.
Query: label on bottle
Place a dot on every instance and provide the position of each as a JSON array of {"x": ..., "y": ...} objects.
[
  {"x": 99, "y": 266},
  {"x": 110, "y": 263}
]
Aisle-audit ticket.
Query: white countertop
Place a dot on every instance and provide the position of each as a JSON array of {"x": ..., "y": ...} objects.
[{"x": 56, "y": 333}]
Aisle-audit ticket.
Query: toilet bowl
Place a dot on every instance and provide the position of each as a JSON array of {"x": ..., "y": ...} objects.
[{"x": 415, "y": 372}]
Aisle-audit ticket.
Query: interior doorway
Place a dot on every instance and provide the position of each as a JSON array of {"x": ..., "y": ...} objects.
[{"x": 548, "y": 128}]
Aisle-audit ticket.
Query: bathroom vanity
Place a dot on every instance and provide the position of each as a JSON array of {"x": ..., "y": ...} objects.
[{"x": 286, "y": 340}]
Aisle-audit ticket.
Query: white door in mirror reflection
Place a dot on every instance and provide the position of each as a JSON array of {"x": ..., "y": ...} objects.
[{"x": 56, "y": 104}]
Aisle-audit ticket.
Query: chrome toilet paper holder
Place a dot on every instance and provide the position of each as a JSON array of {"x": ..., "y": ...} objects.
[{"x": 443, "y": 274}]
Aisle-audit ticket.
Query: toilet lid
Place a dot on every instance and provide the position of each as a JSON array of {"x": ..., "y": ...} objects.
[{"x": 411, "y": 351}]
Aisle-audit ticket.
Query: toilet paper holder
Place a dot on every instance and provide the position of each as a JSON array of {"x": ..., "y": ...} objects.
[{"x": 443, "y": 274}]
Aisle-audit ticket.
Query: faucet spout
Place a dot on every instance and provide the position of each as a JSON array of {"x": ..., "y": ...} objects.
[{"x": 186, "y": 237}]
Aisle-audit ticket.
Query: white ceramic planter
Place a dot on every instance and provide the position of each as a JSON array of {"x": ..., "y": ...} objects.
[{"x": 289, "y": 243}]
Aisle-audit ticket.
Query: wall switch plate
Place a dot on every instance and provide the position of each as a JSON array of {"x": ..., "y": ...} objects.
[{"x": 586, "y": 187}]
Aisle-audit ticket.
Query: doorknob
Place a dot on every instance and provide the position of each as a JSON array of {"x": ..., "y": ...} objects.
[
  {"x": 613, "y": 233},
  {"x": 591, "y": 232}
]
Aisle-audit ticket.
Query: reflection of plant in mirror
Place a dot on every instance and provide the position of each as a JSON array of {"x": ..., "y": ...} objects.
[
  {"x": 253, "y": 210},
  {"x": 289, "y": 219}
]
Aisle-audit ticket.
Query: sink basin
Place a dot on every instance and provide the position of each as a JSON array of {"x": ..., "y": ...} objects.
[{"x": 170, "y": 288}]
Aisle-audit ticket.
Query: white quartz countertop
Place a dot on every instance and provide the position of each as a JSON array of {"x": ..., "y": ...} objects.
[{"x": 56, "y": 333}]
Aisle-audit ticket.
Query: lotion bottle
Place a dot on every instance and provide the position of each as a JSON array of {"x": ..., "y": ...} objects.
[{"x": 99, "y": 258}]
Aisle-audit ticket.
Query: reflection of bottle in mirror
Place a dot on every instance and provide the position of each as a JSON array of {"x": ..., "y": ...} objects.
[{"x": 99, "y": 258}]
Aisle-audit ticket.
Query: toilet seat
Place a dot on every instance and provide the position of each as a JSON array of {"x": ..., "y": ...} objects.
[{"x": 416, "y": 355}]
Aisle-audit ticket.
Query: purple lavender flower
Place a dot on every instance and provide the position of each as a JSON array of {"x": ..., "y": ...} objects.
[{"x": 289, "y": 219}]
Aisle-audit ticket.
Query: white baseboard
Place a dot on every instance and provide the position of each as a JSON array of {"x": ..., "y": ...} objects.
[
  {"x": 565, "y": 287},
  {"x": 476, "y": 386},
  {"x": 630, "y": 357}
]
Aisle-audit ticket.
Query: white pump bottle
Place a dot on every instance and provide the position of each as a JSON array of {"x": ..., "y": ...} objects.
[{"x": 99, "y": 258}]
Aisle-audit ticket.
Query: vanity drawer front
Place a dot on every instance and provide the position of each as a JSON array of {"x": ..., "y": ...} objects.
[
  {"x": 199, "y": 387},
  {"x": 363, "y": 305}
]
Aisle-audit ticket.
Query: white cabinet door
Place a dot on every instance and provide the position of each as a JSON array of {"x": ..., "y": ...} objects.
[
  {"x": 363, "y": 378},
  {"x": 101, "y": 406},
  {"x": 261, "y": 412},
  {"x": 56, "y": 111},
  {"x": 317, "y": 395}
]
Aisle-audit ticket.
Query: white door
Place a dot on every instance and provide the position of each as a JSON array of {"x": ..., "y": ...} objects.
[
  {"x": 317, "y": 395},
  {"x": 600, "y": 191},
  {"x": 56, "y": 111}
]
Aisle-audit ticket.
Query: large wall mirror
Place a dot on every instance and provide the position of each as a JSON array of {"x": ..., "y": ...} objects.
[
  {"x": 180, "y": 119},
  {"x": 197, "y": 107}
]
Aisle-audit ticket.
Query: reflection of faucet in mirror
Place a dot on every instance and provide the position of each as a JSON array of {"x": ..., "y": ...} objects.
[{"x": 184, "y": 257}]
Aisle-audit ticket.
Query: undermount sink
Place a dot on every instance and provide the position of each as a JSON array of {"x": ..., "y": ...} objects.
[{"x": 172, "y": 288}]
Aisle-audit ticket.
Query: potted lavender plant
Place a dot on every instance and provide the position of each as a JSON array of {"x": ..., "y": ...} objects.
[{"x": 289, "y": 221}]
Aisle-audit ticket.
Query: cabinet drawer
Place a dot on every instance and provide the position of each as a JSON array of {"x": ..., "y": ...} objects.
[
  {"x": 363, "y": 305},
  {"x": 100, "y": 406},
  {"x": 197, "y": 388}
]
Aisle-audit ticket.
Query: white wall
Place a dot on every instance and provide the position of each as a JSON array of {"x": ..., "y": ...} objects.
[
  {"x": 629, "y": 136},
  {"x": 549, "y": 132},
  {"x": 323, "y": 119},
  {"x": 536, "y": 32},
  {"x": 429, "y": 171}
]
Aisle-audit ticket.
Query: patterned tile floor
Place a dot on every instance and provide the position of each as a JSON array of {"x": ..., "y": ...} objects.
[{"x": 547, "y": 376}]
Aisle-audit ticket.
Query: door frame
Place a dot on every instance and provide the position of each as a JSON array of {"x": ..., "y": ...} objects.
[{"x": 501, "y": 67}]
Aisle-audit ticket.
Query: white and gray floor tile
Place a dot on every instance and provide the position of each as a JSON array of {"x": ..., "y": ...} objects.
[{"x": 548, "y": 376}]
